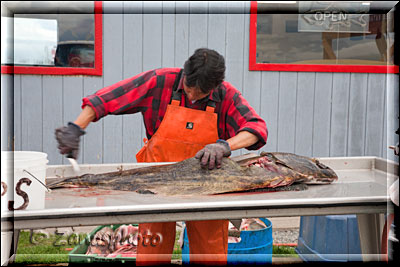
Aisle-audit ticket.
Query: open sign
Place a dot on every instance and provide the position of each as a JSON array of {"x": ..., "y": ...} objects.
[{"x": 334, "y": 16}]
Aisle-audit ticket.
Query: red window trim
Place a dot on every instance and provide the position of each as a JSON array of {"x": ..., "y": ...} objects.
[
  {"x": 253, "y": 65},
  {"x": 98, "y": 54}
]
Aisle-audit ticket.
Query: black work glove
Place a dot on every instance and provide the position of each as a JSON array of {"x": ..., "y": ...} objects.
[
  {"x": 212, "y": 154},
  {"x": 68, "y": 138}
]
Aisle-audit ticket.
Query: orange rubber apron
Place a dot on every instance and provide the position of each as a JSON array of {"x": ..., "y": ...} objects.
[{"x": 182, "y": 133}]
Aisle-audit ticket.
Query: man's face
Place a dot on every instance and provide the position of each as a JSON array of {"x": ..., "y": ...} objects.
[{"x": 193, "y": 93}]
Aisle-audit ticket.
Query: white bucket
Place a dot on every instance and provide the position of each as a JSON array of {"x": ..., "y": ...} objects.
[{"x": 23, "y": 165}]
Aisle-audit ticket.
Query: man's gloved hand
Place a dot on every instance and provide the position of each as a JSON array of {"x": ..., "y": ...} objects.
[
  {"x": 68, "y": 138},
  {"x": 212, "y": 154}
]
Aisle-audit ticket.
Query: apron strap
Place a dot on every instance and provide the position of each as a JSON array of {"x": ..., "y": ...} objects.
[
  {"x": 175, "y": 102},
  {"x": 210, "y": 106},
  {"x": 176, "y": 96}
]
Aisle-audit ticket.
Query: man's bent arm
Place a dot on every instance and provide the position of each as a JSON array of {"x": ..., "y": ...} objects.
[
  {"x": 241, "y": 140},
  {"x": 86, "y": 116}
]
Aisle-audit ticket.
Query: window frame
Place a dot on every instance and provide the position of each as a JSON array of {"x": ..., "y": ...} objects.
[
  {"x": 254, "y": 66},
  {"x": 98, "y": 55}
]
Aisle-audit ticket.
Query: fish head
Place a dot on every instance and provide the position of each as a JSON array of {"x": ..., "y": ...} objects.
[
  {"x": 308, "y": 170},
  {"x": 325, "y": 175}
]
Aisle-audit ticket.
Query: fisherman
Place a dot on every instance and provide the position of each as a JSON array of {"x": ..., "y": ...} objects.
[{"x": 189, "y": 112}]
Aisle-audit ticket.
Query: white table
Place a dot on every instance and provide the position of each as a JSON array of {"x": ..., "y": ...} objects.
[{"x": 361, "y": 189}]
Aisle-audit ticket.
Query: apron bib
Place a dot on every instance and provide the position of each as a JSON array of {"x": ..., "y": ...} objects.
[{"x": 182, "y": 133}]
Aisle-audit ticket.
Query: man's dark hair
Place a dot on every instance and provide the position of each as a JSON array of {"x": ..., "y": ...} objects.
[{"x": 204, "y": 69}]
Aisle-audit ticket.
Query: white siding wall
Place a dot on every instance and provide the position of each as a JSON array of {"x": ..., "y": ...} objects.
[{"x": 312, "y": 114}]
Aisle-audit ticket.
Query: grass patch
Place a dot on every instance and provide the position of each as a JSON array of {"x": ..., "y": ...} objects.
[
  {"x": 284, "y": 251},
  {"x": 41, "y": 258},
  {"x": 36, "y": 248}
]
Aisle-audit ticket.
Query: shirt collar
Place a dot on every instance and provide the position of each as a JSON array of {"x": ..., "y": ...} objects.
[{"x": 214, "y": 95}]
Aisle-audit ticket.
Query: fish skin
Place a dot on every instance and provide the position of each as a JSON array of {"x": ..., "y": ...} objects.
[
  {"x": 269, "y": 170},
  {"x": 127, "y": 250},
  {"x": 125, "y": 234},
  {"x": 109, "y": 243},
  {"x": 101, "y": 243}
]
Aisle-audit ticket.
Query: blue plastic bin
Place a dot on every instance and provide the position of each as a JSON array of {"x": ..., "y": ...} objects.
[
  {"x": 329, "y": 238},
  {"x": 255, "y": 247}
]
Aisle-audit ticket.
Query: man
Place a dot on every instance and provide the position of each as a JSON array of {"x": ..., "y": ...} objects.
[{"x": 187, "y": 112}]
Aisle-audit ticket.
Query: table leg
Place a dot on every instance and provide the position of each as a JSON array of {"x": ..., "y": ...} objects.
[
  {"x": 14, "y": 246},
  {"x": 370, "y": 228}
]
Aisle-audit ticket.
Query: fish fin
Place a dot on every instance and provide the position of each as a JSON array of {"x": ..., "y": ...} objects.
[
  {"x": 55, "y": 182},
  {"x": 283, "y": 164},
  {"x": 290, "y": 187},
  {"x": 145, "y": 191},
  {"x": 276, "y": 160},
  {"x": 55, "y": 186},
  {"x": 246, "y": 160},
  {"x": 244, "y": 157},
  {"x": 277, "y": 182},
  {"x": 320, "y": 181}
]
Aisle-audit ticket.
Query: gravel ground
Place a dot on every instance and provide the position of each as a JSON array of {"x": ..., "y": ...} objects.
[{"x": 285, "y": 235}]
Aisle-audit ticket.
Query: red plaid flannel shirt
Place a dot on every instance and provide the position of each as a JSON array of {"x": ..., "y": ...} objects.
[{"x": 150, "y": 93}]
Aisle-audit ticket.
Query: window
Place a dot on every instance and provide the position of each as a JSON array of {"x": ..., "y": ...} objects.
[
  {"x": 63, "y": 38},
  {"x": 321, "y": 36}
]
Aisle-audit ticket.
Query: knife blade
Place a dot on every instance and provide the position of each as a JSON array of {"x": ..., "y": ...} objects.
[
  {"x": 74, "y": 163},
  {"x": 236, "y": 223}
]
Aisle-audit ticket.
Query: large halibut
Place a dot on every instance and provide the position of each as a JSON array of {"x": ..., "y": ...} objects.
[{"x": 269, "y": 170}]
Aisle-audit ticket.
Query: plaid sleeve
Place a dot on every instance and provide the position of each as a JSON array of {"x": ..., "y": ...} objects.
[
  {"x": 127, "y": 96},
  {"x": 242, "y": 117}
]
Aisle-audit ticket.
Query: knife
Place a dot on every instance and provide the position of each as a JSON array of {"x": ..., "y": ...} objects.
[
  {"x": 73, "y": 162},
  {"x": 236, "y": 223}
]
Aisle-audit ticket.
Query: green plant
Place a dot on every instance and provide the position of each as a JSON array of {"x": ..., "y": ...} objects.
[{"x": 177, "y": 253}]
